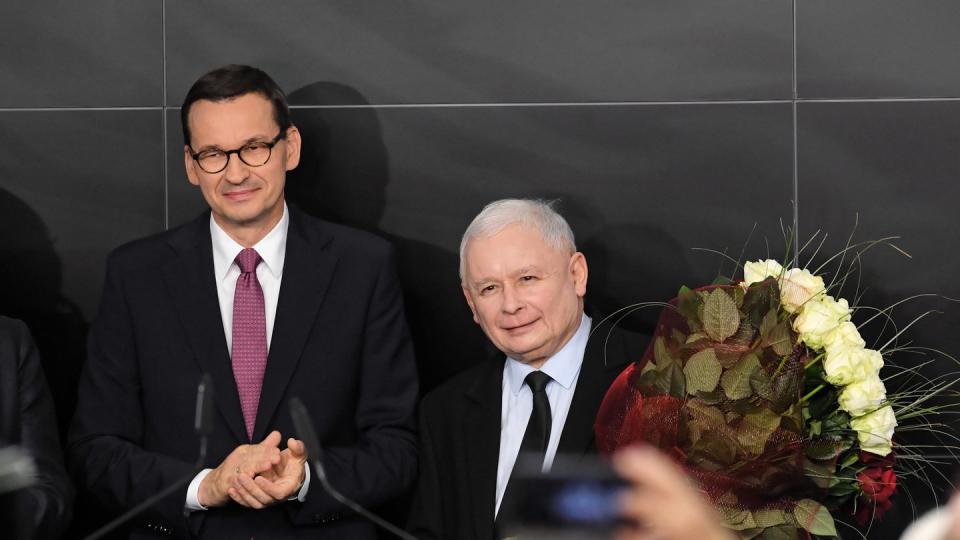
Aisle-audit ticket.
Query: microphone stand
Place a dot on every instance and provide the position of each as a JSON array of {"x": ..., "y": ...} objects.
[
  {"x": 303, "y": 424},
  {"x": 202, "y": 423}
]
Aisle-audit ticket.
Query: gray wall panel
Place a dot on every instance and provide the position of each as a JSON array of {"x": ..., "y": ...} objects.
[
  {"x": 464, "y": 52},
  {"x": 95, "y": 53},
  {"x": 896, "y": 165},
  {"x": 878, "y": 48},
  {"x": 96, "y": 181},
  {"x": 74, "y": 186}
]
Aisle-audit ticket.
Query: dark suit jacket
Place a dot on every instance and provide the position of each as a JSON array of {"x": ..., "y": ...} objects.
[
  {"x": 27, "y": 420},
  {"x": 460, "y": 437},
  {"x": 340, "y": 343}
]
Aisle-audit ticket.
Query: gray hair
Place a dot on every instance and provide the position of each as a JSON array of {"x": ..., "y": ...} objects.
[{"x": 538, "y": 214}]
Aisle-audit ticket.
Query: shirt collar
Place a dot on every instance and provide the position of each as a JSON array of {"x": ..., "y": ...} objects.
[
  {"x": 272, "y": 248},
  {"x": 561, "y": 367}
]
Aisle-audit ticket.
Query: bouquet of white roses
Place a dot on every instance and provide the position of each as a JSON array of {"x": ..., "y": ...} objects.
[{"x": 765, "y": 391}]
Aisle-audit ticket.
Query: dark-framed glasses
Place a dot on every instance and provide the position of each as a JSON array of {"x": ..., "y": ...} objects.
[{"x": 254, "y": 154}]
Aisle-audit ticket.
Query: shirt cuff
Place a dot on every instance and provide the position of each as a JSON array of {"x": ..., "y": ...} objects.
[
  {"x": 193, "y": 492},
  {"x": 302, "y": 494}
]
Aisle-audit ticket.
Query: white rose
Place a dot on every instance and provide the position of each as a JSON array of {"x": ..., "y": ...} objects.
[
  {"x": 755, "y": 272},
  {"x": 799, "y": 287},
  {"x": 819, "y": 318},
  {"x": 851, "y": 364},
  {"x": 845, "y": 336},
  {"x": 863, "y": 396},
  {"x": 875, "y": 430}
]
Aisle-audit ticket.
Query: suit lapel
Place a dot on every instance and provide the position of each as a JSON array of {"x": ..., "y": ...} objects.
[
  {"x": 307, "y": 270},
  {"x": 603, "y": 359},
  {"x": 481, "y": 428},
  {"x": 192, "y": 286}
]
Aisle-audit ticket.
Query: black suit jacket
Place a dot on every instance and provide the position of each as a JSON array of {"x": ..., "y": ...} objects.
[
  {"x": 460, "y": 437},
  {"x": 28, "y": 421},
  {"x": 340, "y": 343}
]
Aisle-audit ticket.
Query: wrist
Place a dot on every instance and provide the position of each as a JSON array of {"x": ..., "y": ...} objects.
[{"x": 205, "y": 494}]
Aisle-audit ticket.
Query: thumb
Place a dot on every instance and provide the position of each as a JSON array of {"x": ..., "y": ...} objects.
[
  {"x": 273, "y": 439},
  {"x": 297, "y": 448}
]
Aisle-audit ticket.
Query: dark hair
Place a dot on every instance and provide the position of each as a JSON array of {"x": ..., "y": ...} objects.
[{"x": 232, "y": 81}]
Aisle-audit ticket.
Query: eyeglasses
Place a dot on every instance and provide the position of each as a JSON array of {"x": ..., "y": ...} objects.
[{"x": 253, "y": 154}]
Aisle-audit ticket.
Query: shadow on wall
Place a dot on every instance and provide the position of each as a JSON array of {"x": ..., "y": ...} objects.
[
  {"x": 31, "y": 274},
  {"x": 343, "y": 177}
]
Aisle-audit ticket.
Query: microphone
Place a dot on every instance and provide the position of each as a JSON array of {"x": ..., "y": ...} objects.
[
  {"x": 203, "y": 416},
  {"x": 304, "y": 427},
  {"x": 17, "y": 469},
  {"x": 203, "y": 424}
]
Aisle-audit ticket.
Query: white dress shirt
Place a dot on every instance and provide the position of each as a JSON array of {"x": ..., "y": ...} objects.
[
  {"x": 272, "y": 250},
  {"x": 517, "y": 402}
]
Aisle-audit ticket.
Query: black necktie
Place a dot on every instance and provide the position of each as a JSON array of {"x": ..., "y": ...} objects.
[
  {"x": 534, "y": 443},
  {"x": 537, "y": 436}
]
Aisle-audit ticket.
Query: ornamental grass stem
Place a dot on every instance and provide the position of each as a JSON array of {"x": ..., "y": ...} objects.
[{"x": 811, "y": 394}]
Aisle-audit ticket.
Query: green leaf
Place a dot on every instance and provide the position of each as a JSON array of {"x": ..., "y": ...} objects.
[
  {"x": 712, "y": 398},
  {"x": 736, "y": 380},
  {"x": 814, "y": 517},
  {"x": 689, "y": 304},
  {"x": 824, "y": 448},
  {"x": 720, "y": 316},
  {"x": 785, "y": 389},
  {"x": 702, "y": 372},
  {"x": 769, "y": 517},
  {"x": 759, "y": 299},
  {"x": 678, "y": 337},
  {"x": 648, "y": 377},
  {"x": 715, "y": 448},
  {"x": 755, "y": 429},
  {"x": 737, "y": 519},
  {"x": 737, "y": 296},
  {"x": 783, "y": 532},
  {"x": 744, "y": 335},
  {"x": 768, "y": 323},
  {"x": 670, "y": 380},
  {"x": 843, "y": 489},
  {"x": 660, "y": 354},
  {"x": 695, "y": 337},
  {"x": 702, "y": 418},
  {"x": 780, "y": 339},
  {"x": 822, "y": 473},
  {"x": 760, "y": 383}
]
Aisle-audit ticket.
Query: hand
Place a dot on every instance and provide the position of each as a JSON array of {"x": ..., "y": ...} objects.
[
  {"x": 953, "y": 532},
  {"x": 662, "y": 501},
  {"x": 246, "y": 460},
  {"x": 277, "y": 484}
]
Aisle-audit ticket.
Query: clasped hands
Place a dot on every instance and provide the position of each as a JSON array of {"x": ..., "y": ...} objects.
[{"x": 256, "y": 475}]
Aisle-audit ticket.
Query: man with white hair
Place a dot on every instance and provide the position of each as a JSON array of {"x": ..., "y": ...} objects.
[{"x": 524, "y": 281}]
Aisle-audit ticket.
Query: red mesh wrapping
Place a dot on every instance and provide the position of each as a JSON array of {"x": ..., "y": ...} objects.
[{"x": 754, "y": 478}]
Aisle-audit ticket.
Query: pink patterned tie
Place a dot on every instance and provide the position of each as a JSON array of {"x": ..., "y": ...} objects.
[{"x": 249, "y": 336}]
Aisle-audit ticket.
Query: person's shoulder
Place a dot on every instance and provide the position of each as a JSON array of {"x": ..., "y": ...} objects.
[
  {"x": 13, "y": 330},
  {"x": 153, "y": 249},
  {"x": 446, "y": 395}
]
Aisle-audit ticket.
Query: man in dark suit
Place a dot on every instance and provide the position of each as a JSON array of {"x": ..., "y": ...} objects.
[
  {"x": 27, "y": 420},
  {"x": 272, "y": 304},
  {"x": 524, "y": 282}
]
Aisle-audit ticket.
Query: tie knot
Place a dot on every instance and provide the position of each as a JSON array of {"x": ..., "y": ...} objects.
[
  {"x": 537, "y": 381},
  {"x": 247, "y": 260}
]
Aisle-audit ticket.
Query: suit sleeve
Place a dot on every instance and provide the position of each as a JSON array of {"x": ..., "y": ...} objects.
[
  {"x": 105, "y": 453},
  {"x": 426, "y": 510},
  {"x": 381, "y": 465},
  {"x": 45, "y": 507}
]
